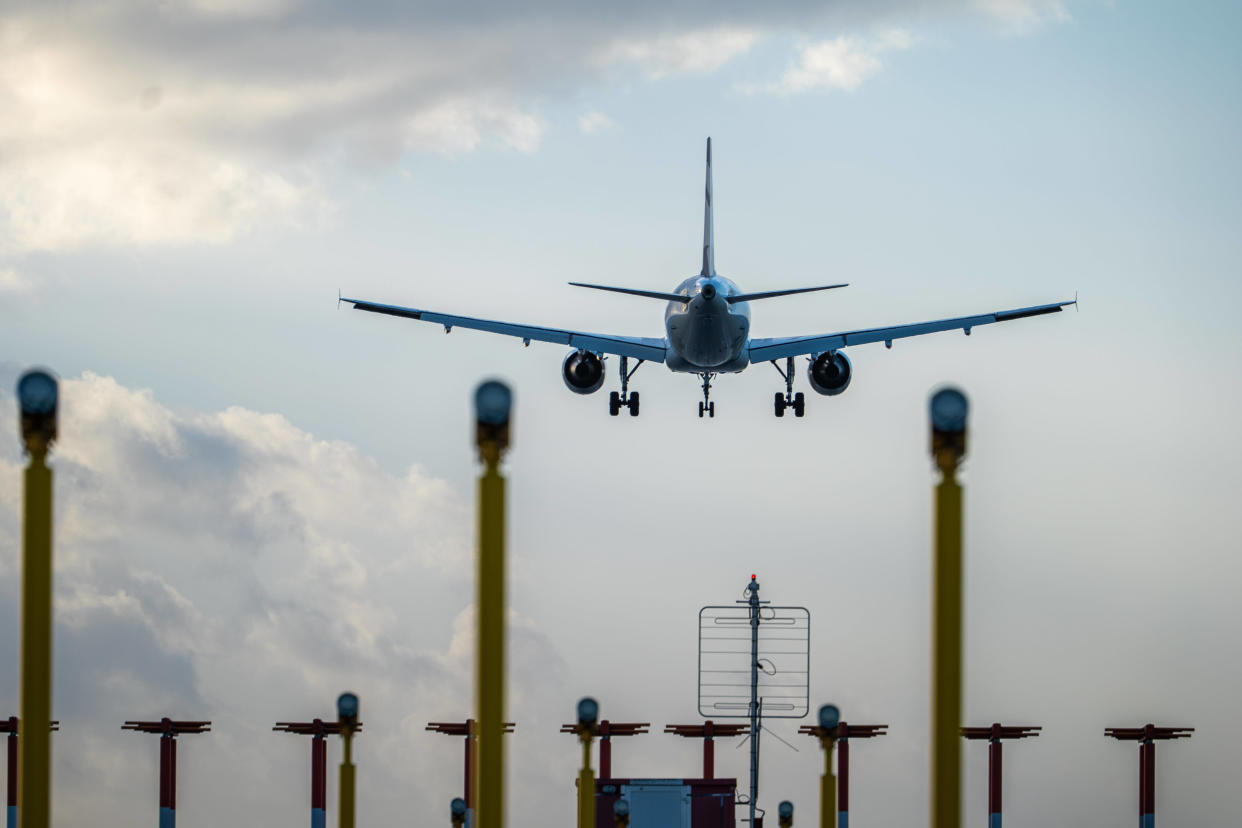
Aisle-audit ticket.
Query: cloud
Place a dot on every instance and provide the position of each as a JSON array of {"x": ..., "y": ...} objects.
[
  {"x": 840, "y": 63},
  {"x": 591, "y": 122},
  {"x": 231, "y": 566},
  {"x": 13, "y": 282},
  {"x": 133, "y": 123}
]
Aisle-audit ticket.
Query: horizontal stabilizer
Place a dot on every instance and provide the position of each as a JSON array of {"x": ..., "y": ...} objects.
[
  {"x": 650, "y": 294},
  {"x": 750, "y": 297}
]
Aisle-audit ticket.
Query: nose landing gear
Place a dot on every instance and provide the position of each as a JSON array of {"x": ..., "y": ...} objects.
[
  {"x": 625, "y": 399},
  {"x": 707, "y": 406},
  {"x": 789, "y": 399}
]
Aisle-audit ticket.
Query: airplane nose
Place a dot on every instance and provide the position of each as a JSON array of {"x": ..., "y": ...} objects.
[{"x": 708, "y": 291}]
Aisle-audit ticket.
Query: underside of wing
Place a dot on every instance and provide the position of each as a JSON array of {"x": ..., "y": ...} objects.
[
  {"x": 762, "y": 350},
  {"x": 647, "y": 348}
]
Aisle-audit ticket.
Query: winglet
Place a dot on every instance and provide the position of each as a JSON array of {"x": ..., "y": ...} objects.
[
  {"x": 338, "y": 297},
  {"x": 709, "y": 243}
]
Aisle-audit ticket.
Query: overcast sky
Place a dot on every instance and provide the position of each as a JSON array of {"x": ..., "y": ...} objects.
[{"x": 263, "y": 500}]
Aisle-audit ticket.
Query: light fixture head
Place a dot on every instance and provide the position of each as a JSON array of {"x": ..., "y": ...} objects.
[
  {"x": 588, "y": 711},
  {"x": 492, "y": 403},
  {"x": 829, "y": 717},
  {"x": 458, "y": 807},
  {"x": 785, "y": 810},
  {"x": 621, "y": 808},
  {"x": 948, "y": 409},
  {"x": 347, "y": 709},
  {"x": 37, "y": 396}
]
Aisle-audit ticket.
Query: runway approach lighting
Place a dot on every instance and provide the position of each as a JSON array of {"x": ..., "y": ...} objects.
[
  {"x": 347, "y": 725},
  {"x": 317, "y": 730},
  {"x": 948, "y": 445},
  {"x": 709, "y": 732},
  {"x": 11, "y": 727},
  {"x": 605, "y": 730},
  {"x": 994, "y": 735},
  {"x": 621, "y": 813},
  {"x": 37, "y": 399},
  {"x": 588, "y": 714},
  {"x": 842, "y": 734},
  {"x": 169, "y": 730},
  {"x": 457, "y": 812},
  {"x": 1147, "y": 736},
  {"x": 784, "y": 813},
  {"x": 469, "y": 729},
  {"x": 493, "y": 408},
  {"x": 826, "y": 732}
]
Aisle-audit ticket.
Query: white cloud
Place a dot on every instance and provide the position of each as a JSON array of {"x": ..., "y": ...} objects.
[
  {"x": 1022, "y": 16},
  {"x": 13, "y": 282},
  {"x": 840, "y": 63},
  {"x": 591, "y": 122},
  {"x": 699, "y": 51},
  {"x": 231, "y": 566}
]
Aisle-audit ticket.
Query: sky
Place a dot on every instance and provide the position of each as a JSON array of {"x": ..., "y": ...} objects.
[{"x": 264, "y": 499}]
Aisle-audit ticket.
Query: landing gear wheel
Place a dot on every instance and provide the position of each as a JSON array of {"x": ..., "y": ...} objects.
[
  {"x": 633, "y": 404},
  {"x": 700, "y": 409},
  {"x": 799, "y": 404},
  {"x": 711, "y": 409},
  {"x": 779, "y": 404},
  {"x": 614, "y": 404}
]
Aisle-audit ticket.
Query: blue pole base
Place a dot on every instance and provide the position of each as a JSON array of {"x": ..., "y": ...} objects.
[
  {"x": 168, "y": 818},
  {"x": 994, "y": 821},
  {"x": 843, "y": 819},
  {"x": 12, "y": 821},
  {"x": 319, "y": 818},
  {"x": 1147, "y": 821}
]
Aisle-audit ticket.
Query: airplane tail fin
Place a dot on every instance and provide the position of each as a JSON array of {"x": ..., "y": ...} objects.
[{"x": 709, "y": 242}]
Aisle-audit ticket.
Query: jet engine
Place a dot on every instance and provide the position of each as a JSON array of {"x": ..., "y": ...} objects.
[
  {"x": 583, "y": 372},
  {"x": 830, "y": 373}
]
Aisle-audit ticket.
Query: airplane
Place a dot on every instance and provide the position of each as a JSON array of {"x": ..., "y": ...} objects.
[{"x": 707, "y": 327}]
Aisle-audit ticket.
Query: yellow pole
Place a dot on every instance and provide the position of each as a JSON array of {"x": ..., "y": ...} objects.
[
  {"x": 490, "y": 675},
  {"x": 346, "y": 793},
  {"x": 35, "y": 747},
  {"x": 948, "y": 414},
  {"x": 827, "y": 787},
  {"x": 586, "y": 783}
]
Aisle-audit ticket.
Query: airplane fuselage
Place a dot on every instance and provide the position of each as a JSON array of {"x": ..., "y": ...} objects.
[{"x": 707, "y": 334}]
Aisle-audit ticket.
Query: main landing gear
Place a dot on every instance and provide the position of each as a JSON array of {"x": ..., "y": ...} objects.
[
  {"x": 707, "y": 406},
  {"x": 789, "y": 399},
  {"x": 625, "y": 399}
]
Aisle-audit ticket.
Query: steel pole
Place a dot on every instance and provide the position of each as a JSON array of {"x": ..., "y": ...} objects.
[
  {"x": 946, "y": 771},
  {"x": 347, "y": 779},
  {"x": 843, "y": 776},
  {"x": 35, "y": 749},
  {"x": 319, "y": 788},
  {"x": 586, "y": 784},
  {"x": 994, "y": 782},
  {"x": 11, "y": 820},
  {"x": 756, "y": 721},
  {"x": 827, "y": 788},
  {"x": 490, "y": 674},
  {"x": 1148, "y": 818}
]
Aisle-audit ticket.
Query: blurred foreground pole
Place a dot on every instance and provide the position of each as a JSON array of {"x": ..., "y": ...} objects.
[
  {"x": 12, "y": 727},
  {"x": 36, "y": 397},
  {"x": 829, "y": 718},
  {"x": 588, "y": 715},
  {"x": 948, "y": 445},
  {"x": 493, "y": 404},
  {"x": 347, "y": 718}
]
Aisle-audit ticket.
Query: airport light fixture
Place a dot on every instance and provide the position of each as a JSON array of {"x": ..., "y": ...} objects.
[
  {"x": 841, "y": 733},
  {"x": 994, "y": 735},
  {"x": 493, "y": 409},
  {"x": 11, "y": 726},
  {"x": 1147, "y": 736},
  {"x": 709, "y": 732},
  {"x": 948, "y": 412},
  {"x": 621, "y": 812},
  {"x": 347, "y": 720},
  {"x": 588, "y": 713},
  {"x": 168, "y": 730},
  {"x": 605, "y": 730},
  {"x": 317, "y": 729},
  {"x": 468, "y": 729},
  {"x": 457, "y": 812},
  {"x": 37, "y": 400},
  {"x": 784, "y": 813}
]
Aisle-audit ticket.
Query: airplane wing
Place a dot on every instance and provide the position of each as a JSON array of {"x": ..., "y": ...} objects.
[
  {"x": 762, "y": 350},
  {"x": 640, "y": 347}
]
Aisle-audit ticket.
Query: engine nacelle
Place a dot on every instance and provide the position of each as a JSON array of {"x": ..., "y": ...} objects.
[
  {"x": 583, "y": 372},
  {"x": 830, "y": 373}
]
